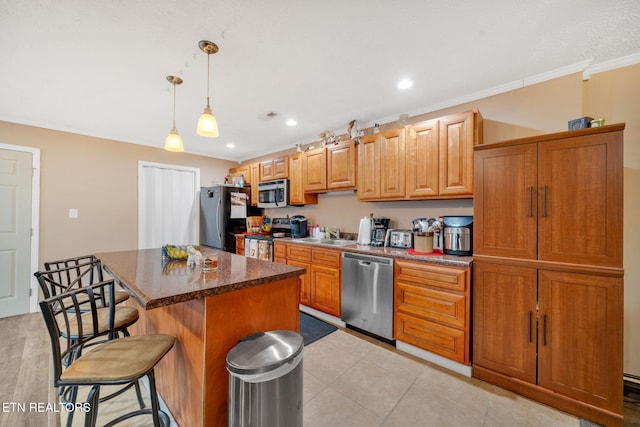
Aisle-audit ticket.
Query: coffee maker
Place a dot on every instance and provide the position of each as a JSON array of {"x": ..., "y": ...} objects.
[{"x": 379, "y": 227}]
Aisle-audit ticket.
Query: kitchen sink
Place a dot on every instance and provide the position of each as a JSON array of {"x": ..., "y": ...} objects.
[{"x": 334, "y": 242}]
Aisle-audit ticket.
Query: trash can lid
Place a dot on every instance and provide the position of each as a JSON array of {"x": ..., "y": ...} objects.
[{"x": 264, "y": 352}]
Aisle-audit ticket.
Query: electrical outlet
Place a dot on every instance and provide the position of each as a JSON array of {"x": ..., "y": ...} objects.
[{"x": 73, "y": 213}]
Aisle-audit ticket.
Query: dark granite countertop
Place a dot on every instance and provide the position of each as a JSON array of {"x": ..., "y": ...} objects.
[
  {"x": 153, "y": 283},
  {"x": 451, "y": 260}
]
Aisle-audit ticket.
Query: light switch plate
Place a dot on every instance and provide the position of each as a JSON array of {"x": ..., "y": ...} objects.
[{"x": 73, "y": 213}]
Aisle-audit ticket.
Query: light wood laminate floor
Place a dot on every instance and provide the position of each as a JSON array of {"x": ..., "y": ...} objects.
[{"x": 349, "y": 380}]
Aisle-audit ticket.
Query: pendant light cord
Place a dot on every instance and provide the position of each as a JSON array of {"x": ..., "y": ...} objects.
[
  {"x": 174, "y": 104},
  {"x": 208, "y": 76}
]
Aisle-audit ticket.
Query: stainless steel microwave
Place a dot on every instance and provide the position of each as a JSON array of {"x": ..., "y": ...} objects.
[{"x": 273, "y": 194}]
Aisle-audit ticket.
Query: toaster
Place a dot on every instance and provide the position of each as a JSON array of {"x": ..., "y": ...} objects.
[{"x": 400, "y": 239}]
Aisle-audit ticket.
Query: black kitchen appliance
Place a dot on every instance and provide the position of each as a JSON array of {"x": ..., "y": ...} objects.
[
  {"x": 379, "y": 227},
  {"x": 458, "y": 235},
  {"x": 298, "y": 226}
]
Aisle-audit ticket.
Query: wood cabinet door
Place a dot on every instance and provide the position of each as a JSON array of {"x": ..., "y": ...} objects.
[
  {"x": 369, "y": 167},
  {"x": 239, "y": 245},
  {"x": 580, "y": 199},
  {"x": 456, "y": 154},
  {"x": 296, "y": 173},
  {"x": 244, "y": 170},
  {"x": 504, "y": 316},
  {"x": 505, "y": 202},
  {"x": 581, "y": 340},
  {"x": 305, "y": 281},
  {"x": 325, "y": 289},
  {"x": 392, "y": 170},
  {"x": 267, "y": 172},
  {"x": 281, "y": 168},
  {"x": 315, "y": 170},
  {"x": 341, "y": 166},
  {"x": 255, "y": 179},
  {"x": 422, "y": 160}
]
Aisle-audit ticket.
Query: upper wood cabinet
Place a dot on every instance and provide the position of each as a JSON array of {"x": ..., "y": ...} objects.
[
  {"x": 381, "y": 162},
  {"x": 553, "y": 198},
  {"x": 244, "y": 170},
  {"x": 422, "y": 160},
  {"x": 255, "y": 179},
  {"x": 315, "y": 170},
  {"x": 297, "y": 196},
  {"x": 426, "y": 160},
  {"x": 330, "y": 168},
  {"x": 274, "y": 169},
  {"x": 458, "y": 134}
]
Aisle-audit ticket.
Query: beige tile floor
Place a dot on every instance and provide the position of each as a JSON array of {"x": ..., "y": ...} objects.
[{"x": 349, "y": 381}]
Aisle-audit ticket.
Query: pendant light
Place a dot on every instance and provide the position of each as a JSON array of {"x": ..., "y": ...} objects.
[
  {"x": 173, "y": 141},
  {"x": 207, "y": 124}
]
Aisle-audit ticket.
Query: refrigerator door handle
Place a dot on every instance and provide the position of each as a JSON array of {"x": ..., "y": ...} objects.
[{"x": 219, "y": 219}]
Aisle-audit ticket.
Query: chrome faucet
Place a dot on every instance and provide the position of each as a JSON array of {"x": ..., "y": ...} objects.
[{"x": 334, "y": 232}]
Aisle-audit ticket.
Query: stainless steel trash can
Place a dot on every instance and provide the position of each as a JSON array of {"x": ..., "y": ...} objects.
[{"x": 265, "y": 380}]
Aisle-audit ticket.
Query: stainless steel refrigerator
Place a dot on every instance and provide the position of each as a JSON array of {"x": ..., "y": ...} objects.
[{"x": 223, "y": 213}]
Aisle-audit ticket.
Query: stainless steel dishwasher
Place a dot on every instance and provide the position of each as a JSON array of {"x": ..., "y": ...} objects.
[{"x": 367, "y": 293}]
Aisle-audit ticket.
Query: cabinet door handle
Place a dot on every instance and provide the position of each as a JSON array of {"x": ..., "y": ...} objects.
[
  {"x": 544, "y": 330},
  {"x": 531, "y": 326},
  {"x": 530, "y": 201},
  {"x": 544, "y": 201}
]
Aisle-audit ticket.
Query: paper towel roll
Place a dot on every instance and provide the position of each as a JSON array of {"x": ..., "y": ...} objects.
[{"x": 364, "y": 232}]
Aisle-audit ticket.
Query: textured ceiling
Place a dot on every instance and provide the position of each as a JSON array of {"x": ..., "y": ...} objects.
[{"x": 98, "y": 68}]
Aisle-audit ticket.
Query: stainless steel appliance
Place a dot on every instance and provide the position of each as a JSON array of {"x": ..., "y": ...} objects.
[
  {"x": 400, "y": 239},
  {"x": 223, "y": 213},
  {"x": 257, "y": 246},
  {"x": 379, "y": 227},
  {"x": 273, "y": 194},
  {"x": 281, "y": 227},
  {"x": 298, "y": 226},
  {"x": 458, "y": 235},
  {"x": 367, "y": 293}
]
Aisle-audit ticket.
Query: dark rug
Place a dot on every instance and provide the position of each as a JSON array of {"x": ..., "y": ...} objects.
[{"x": 313, "y": 329}]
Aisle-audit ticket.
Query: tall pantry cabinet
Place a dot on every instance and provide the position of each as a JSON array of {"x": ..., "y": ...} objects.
[{"x": 548, "y": 277}]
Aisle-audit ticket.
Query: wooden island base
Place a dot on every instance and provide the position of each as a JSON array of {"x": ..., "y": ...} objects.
[{"x": 192, "y": 378}]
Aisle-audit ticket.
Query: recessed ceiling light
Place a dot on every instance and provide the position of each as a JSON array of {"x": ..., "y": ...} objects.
[
  {"x": 405, "y": 84},
  {"x": 231, "y": 145},
  {"x": 291, "y": 122}
]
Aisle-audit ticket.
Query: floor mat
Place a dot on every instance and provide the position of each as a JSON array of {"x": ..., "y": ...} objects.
[{"x": 313, "y": 329}]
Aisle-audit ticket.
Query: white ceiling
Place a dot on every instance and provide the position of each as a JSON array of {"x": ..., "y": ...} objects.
[{"x": 98, "y": 67}]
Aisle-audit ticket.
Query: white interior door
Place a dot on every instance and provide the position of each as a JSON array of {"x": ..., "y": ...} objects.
[
  {"x": 168, "y": 210},
  {"x": 15, "y": 231}
]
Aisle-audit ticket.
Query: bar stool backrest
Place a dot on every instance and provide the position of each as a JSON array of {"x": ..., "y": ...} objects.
[
  {"x": 69, "y": 275},
  {"x": 66, "y": 316}
]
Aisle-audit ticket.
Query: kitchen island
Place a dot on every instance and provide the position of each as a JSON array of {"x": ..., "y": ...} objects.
[{"x": 207, "y": 312}]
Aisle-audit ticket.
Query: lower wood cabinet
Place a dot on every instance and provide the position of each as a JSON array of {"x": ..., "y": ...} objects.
[
  {"x": 432, "y": 308},
  {"x": 240, "y": 245},
  {"x": 325, "y": 281},
  {"x": 552, "y": 335},
  {"x": 321, "y": 286}
]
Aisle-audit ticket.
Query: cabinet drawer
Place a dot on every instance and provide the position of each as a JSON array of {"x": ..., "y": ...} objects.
[
  {"x": 431, "y": 304},
  {"x": 328, "y": 258},
  {"x": 441, "y": 340},
  {"x": 298, "y": 253},
  {"x": 279, "y": 250},
  {"x": 443, "y": 277}
]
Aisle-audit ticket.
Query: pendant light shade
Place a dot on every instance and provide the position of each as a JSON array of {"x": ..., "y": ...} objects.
[
  {"x": 173, "y": 141},
  {"x": 207, "y": 124}
]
